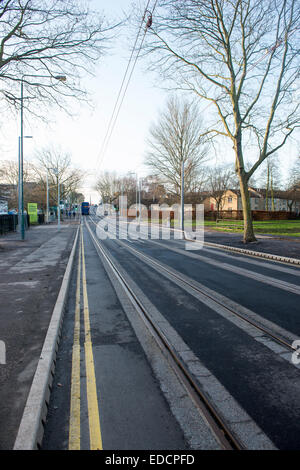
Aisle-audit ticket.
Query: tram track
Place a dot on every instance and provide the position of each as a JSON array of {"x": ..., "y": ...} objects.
[
  {"x": 202, "y": 391},
  {"x": 227, "y": 439},
  {"x": 284, "y": 340}
]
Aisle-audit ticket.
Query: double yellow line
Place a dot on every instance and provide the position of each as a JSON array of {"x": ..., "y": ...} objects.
[{"x": 92, "y": 400}]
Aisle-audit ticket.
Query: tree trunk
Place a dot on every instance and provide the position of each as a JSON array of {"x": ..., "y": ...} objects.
[
  {"x": 245, "y": 197},
  {"x": 267, "y": 188},
  {"x": 248, "y": 225},
  {"x": 218, "y": 209},
  {"x": 272, "y": 194}
]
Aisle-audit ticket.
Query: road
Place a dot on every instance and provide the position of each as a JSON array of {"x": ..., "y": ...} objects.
[{"x": 229, "y": 319}]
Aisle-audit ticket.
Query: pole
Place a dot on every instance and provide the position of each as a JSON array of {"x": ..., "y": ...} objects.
[
  {"x": 182, "y": 197},
  {"x": 58, "y": 202},
  {"x": 19, "y": 187},
  {"x": 136, "y": 195},
  {"x": 139, "y": 201},
  {"x": 47, "y": 204},
  {"x": 121, "y": 205},
  {"x": 61, "y": 78},
  {"x": 21, "y": 170}
]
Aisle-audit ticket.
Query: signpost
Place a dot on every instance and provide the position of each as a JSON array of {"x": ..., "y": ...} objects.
[{"x": 32, "y": 211}]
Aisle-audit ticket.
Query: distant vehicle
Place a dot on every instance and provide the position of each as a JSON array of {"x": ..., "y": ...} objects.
[{"x": 85, "y": 208}]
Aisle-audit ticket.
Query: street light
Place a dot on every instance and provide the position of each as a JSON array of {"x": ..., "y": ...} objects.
[
  {"x": 47, "y": 200},
  {"x": 47, "y": 197},
  {"x": 136, "y": 195},
  {"x": 182, "y": 197},
  {"x": 139, "y": 189},
  {"x": 61, "y": 78},
  {"x": 56, "y": 172},
  {"x": 20, "y": 191}
]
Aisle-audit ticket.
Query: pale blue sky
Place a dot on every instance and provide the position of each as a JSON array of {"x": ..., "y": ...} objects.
[{"x": 83, "y": 134}]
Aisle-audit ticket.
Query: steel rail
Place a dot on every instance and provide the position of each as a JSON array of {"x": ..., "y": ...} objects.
[
  {"x": 224, "y": 435},
  {"x": 263, "y": 329},
  {"x": 177, "y": 276}
]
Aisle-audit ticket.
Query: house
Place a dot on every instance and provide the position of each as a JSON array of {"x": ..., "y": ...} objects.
[{"x": 231, "y": 201}]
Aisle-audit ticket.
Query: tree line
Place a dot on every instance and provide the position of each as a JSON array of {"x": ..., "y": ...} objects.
[
  {"x": 176, "y": 144},
  {"x": 241, "y": 58},
  {"x": 49, "y": 164}
]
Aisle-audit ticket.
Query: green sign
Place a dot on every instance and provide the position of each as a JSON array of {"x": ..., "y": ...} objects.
[{"x": 32, "y": 211}]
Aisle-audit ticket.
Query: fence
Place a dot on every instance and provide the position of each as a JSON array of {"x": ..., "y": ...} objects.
[
  {"x": 256, "y": 215},
  {"x": 232, "y": 215},
  {"x": 9, "y": 222},
  {"x": 41, "y": 218}
]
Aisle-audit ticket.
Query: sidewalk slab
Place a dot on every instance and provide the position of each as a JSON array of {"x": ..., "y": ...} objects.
[
  {"x": 31, "y": 273},
  {"x": 289, "y": 248}
]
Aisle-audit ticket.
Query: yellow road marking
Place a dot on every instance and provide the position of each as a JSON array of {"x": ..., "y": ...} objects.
[
  {"x": 74, "y": 425},
  {"x": 92, "y": 400}
]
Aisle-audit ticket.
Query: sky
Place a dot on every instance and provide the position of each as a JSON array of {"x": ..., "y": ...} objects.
[{"x": 83, "y": 134}]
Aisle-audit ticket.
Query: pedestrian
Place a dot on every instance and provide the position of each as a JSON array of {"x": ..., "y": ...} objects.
[{"x": 74, "y": 213}]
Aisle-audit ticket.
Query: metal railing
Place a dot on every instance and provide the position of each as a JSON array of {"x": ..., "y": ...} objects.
[{"x": 8, "y": 223}]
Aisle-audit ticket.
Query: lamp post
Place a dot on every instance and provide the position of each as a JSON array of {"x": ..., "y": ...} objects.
[
  {"x": 121, "y": 205},
  {"x": 139, "y": 188},
  {"x": 182, "y": 197},
  {"x": 20, "y": 189},
  {"x": 61, "y": 78},
  {"x": 58, "y": 202},
  {"x": 56, "y": 172},
  {"x": 47, "y": 198},
  {"x": 136, "y": 190},
  {"x": 136, "y": 195}
]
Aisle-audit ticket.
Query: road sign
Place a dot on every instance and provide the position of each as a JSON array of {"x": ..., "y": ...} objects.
[{"x": 32, "y": 211}]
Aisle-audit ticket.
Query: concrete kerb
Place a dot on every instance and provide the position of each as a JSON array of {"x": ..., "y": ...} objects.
[
  {"x": 257, "y": 254},
  {"x": 31, "y": 428}
]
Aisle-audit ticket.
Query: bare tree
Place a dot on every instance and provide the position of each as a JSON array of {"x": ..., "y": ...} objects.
[
  {"x": 9, "y": 175},
  {"x": 270, "y": 180},
  {"x": 219, "y": 181},
  {"x": 59, "y": 168},
  {"x": 242, "y": 57},
  {"x": 108, "y": 186},
  {"x": 47, "y": 38},
  {"x": 155, "y": 192},
  {"x": 9, "y": 172},
  {"x": 176, "y": 139},
  {"x": 75, "y": 197},
  {"x": 293, "y": 185}
]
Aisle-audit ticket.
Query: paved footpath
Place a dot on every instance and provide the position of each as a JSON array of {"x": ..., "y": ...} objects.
[
  {"x": 282, "y": 246},
  {"x": 31, "y": 273}
]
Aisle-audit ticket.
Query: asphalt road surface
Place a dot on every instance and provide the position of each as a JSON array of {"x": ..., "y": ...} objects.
[{"x": 237, "y": 317}]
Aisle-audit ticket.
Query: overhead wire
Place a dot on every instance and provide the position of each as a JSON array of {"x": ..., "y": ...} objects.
[
  {"x": 123, "y": 80},
  {"x": 117, "y": 106}
]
